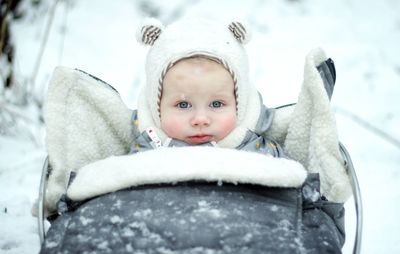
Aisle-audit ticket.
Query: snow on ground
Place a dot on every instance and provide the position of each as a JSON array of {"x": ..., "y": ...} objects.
[{"x": 98, "y": 36}]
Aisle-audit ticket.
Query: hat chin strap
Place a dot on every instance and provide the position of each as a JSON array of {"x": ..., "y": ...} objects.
[
  {"x": 232, "y": 140},
  {"x": 145, "y": 117}
]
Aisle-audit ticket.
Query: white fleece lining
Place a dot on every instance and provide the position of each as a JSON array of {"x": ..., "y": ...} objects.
[
  {"x": 85, "y": 121},
  {"x": 312, "y": 137},
  {"x": 171, "y": 165}
]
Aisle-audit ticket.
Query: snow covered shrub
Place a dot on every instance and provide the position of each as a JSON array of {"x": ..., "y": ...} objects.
[{"x": 19, "y": 111}]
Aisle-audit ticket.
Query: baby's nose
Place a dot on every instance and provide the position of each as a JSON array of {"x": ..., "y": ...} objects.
[{"x": 200, "y": 119}]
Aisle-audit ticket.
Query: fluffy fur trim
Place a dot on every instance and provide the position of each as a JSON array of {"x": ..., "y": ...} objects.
[
  {"x": 86, "y": 121},
  {"x": 312, "y": 137},
  {"x": 171, "y": 165}
]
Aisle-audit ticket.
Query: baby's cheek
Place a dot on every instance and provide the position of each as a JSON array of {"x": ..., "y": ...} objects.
[
  {"x": 172, "y": 127},
  {"x": 227, "y": 126}
]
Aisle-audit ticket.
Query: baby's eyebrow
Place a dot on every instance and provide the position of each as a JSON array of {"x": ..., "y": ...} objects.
[{"x": 222, "y": 94}]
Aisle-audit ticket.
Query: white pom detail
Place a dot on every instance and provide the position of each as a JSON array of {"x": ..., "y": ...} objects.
[
  {"x": 240, "y": 31},
  {"x": 149, "y": 31}
]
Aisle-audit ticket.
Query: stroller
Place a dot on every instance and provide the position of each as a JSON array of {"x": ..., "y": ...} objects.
[{"x": 99, "y": 200}]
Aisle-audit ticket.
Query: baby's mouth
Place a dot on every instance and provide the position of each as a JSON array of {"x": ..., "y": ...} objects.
[{"x": 199, "y": 139}]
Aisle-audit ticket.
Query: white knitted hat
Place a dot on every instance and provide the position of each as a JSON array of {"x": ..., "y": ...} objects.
[{"x": 190, "y": 37}]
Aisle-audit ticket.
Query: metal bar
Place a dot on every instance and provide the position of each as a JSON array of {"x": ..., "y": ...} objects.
[
  {"x": 42, "y": 198},
  {"x": 357, "y": 198}
]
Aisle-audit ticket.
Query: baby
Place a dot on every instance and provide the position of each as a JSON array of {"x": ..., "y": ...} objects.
[
  {"x": 197, "y": 90},
  {"x": 198, "y": 102}
]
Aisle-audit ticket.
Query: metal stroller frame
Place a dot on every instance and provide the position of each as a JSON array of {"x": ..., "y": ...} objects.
[
  {"x": 42, "y": 197},
  {"x": 356, "y": 196}
]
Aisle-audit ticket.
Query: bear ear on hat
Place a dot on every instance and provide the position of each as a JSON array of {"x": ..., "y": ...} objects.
[
  {"x": 241, "y": 31},
  {"x": 149, "y": 31}
]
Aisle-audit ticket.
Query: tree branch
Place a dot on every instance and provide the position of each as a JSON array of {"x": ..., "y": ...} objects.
[{"x": 365, "y": 124}]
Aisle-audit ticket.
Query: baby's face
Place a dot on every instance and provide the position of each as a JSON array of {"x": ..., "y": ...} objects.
[{"x": 198, "y": 101}]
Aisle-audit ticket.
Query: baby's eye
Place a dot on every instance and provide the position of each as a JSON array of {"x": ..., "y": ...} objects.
[
  {"x": 183, "y": 104},
  {"x": 216, "y": 104}
]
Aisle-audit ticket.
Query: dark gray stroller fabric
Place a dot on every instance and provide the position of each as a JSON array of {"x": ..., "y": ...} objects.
[{"x": 198, "y": 217}]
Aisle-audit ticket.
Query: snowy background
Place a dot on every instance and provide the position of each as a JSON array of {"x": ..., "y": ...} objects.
[{"x": 362, "y": 36}]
